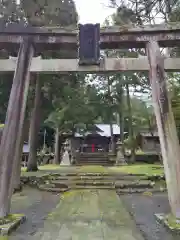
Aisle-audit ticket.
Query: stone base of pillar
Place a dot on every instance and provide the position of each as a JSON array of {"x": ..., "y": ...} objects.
[{"x": 120, "y": 159}]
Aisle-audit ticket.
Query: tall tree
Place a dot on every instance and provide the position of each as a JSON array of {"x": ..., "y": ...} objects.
[
  {"x": 122, "y": 82},
  {"x": 34, "y": 127},
  {"x": 40, "y": 13}
]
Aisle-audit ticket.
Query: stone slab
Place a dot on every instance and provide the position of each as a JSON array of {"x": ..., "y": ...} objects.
[
  {"x": 162, "y": 218},
  {"x": 6, "y": 229},
  {"x": 89, "y": 214}
]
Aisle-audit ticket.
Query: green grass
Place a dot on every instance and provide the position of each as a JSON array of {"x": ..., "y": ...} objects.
[
  {"x": 47, "y": 167},
  {"x": 34, "y": 174},
  {"x": 50, "y": 167},
  {"x": 43, "y": 170},
  {"x": 93, "y": 169},
  {"x": 146, "y": 169}
]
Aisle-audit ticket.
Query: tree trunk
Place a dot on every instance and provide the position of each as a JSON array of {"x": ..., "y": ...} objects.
[
  {"x": 57, "y": 148},
  {"x": 34, "y": 129},
  {"x": 18, "y": 160},
  {"x": 130, "y": 125},
  {"x": 121, "y": 118},
  {"x": 121, "y": 124},
  {"x": 11, "y": 138},
  {"x": 166, "y": 126},
  {"x": 112, "y": 142},
  {"x": 17, "y": 171}
]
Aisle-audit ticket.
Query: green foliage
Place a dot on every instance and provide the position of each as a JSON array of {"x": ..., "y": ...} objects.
[
  {"x": 130, "y": 143},
  {"x": 134, "y": 113},
  {"x": 125, "y": 15},
  {"x": 50, "y": 12},
  {"x": 143, "y": 116},
  {"x": 10, "y": 11},
  {"x": 5, "y": 87},
  {"x": 72, "y": 109}
]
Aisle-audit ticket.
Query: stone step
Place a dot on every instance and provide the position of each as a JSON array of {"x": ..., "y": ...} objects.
[
  {"x": 92, "y": 160},
  {"x": 93, "y": 164},
  {"x": 92, "y": 157},
  {"x": 84, "y": 183},
  {"x": 146, "y": 191},
  {"x": 97, "y": 177},
  {"x": 119, "y": 191},
  {"x": 92, "y": 187},
  {"x": 95, "y": 155},
  {"x": 49, "y": 188},
  {"x": 99, "y": 174},
  {"x": 106, "y": 164},
  {"x": 134, "y": 185},
  {"x": 117, "y": 184}
]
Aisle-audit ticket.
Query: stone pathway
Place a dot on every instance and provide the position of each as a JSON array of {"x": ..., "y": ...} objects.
[
  {"x": 143, "y": 209},
  {"x": 90, "y": 215},
  {"x": 36, "y": 205}
]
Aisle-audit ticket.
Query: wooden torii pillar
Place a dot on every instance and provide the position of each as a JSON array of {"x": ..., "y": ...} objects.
[
  {"x": 11, "y": 138},
  {"x": 166, "y": 126}
]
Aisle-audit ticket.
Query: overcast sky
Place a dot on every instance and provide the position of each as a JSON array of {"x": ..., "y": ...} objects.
[{"x": 93, "y": 11}]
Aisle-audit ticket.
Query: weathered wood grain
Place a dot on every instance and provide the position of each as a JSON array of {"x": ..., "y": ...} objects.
[
  {"x": 10, "y": 143},
  {"x": 127, "y": 36},
  {"x": 34, "y": 127},
  {"x": 166, "y": 126},
  {"x": 106, "y": 65}
]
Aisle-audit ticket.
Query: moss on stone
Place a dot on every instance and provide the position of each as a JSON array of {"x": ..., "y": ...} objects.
[
  {"x": 86, "y": 215},
  {"x": 160, "y": 184},
  {"x": 10, "y": 218},
  {"x": 6, "y": 220},
  {"x": 172, "y": 222},
  {"x": 9, "y": 223},
  {"x": 169, "y": 221}
]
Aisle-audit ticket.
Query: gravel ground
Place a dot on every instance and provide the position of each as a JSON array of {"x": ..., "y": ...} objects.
[
  {"x": 36, "y": 205},
  {"x": 143, "y": 209}
]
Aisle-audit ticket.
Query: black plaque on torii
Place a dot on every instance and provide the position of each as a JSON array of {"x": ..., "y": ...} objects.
[{"x": 89, "y": 44}]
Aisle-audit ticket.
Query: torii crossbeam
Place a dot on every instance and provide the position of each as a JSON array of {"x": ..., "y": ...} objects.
[
  {"x": 47, "y": 66},
  {"x": 110, "y": 38}
]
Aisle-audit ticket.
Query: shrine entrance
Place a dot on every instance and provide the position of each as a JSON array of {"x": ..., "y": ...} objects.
[{"x": 34, "y": 40}]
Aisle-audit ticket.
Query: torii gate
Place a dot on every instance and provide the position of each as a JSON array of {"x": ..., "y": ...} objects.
[{"x": 35, "y": 39}]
